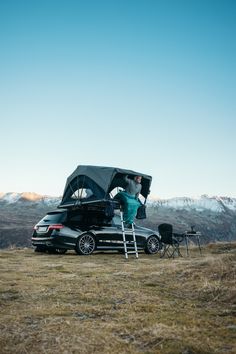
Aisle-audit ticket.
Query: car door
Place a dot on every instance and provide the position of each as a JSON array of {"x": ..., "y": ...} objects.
[
  {"x": 140, "y": 238},
  {"x": 109, "y": 236}
]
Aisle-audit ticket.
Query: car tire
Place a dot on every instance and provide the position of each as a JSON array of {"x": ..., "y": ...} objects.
[
  {"x": 57, "y": 250},
  {"x": 61, "y": 250},
  {"x": 153, "y": 245},
  {"x": 40, "y": 249},
  {"x": 85, "y": 244}
]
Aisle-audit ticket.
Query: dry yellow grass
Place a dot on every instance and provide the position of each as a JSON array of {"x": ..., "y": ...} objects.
[{"x": 104, "y": 304}]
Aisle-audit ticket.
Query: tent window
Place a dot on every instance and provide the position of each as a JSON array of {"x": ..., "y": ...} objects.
[
  {"x": 82, "y": 188},
  {"x": 82, "y": 193},
  {"x": 115, "y": 191}
]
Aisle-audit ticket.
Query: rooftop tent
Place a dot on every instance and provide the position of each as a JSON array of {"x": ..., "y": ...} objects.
[{"x": 93, "y": 183}]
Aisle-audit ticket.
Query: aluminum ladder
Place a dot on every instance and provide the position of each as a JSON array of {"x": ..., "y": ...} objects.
[{"x": 125, "y": 232}]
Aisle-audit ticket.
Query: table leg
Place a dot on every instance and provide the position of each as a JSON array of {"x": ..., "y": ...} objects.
[
  {"x": 186, "y": 242},
  {"x": 199, "y": 246}
]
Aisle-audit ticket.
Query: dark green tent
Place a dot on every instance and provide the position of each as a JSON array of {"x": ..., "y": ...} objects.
[{"x": 99, "y": 181}]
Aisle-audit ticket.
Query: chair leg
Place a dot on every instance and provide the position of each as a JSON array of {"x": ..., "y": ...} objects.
[
  {"x": 166, "y": 251},
  {"x": 170, "y": 251},
  {"x": 177, "y": 250},
  {"x": 174, "y": 251}
]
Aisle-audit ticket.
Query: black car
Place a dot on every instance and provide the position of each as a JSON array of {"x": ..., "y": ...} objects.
[{"x": 65, "y": 229}]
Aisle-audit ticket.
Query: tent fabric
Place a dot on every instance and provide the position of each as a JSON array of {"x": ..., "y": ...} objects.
[
  {"x": 101, "y": 180},
  {"x": 82, "y": 183}
]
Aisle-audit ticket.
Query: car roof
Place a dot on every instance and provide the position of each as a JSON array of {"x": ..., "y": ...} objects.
[{"x": 56, "y": 211}]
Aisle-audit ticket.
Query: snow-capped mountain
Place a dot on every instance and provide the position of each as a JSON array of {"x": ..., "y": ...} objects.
[
  {"x": 215, "y": 217},
  {"x": 31, "y": 197},
  {"x": 214, "y": 204}
]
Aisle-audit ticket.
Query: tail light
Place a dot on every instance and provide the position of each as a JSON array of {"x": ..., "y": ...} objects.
[
  {"x": 35, "y": 227},
  {"x": 55, "y": 227}
]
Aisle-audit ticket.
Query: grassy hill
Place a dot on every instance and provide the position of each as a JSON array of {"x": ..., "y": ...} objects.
[{"x": 105, "y": 304}]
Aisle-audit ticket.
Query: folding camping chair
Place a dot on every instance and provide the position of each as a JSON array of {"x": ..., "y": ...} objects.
[{"x": 170, "y": 241}]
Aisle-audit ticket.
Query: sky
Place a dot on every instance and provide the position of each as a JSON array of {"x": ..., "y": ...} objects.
[{"x": 148, "y": 85}]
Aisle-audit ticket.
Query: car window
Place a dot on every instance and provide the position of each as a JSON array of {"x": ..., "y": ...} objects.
[
  {"x": 116, "y": 220},
  {"x": 97, "y": 220},
  {"x": 76, "y": 220},
  {"x": 88, "y": 219},
  {"x": 56, "y": 217}
]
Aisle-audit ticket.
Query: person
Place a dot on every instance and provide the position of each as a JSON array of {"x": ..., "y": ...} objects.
[
  {"x": 133, "y": 186},
  {"x": 129, "y": 199}
]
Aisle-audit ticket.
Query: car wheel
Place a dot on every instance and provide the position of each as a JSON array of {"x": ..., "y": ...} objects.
[
  {"x": 152, "y": 245},
  {"x": 85, "y": 244}
]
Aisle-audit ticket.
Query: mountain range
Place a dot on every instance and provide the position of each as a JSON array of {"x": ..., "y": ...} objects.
[{"x": 214, "y": 216}]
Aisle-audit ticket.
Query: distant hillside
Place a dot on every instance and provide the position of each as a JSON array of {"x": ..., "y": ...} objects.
[
  {"x": 19, "y": 212},
  {"x": 215, "y": 217}
]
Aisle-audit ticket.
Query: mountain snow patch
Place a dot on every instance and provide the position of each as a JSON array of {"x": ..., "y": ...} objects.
[{"x": 215, "y": 204}]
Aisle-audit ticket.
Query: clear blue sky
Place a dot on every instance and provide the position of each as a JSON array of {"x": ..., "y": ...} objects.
[{"x": 148, "y": 85}]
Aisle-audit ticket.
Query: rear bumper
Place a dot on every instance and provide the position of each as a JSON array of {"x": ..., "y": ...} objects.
[
  {"x": 50, "y": 242},
  {"x": 41, "y": 239}
]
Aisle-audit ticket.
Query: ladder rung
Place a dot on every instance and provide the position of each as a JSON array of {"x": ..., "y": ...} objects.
[{"x": 131, "y": 232}]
